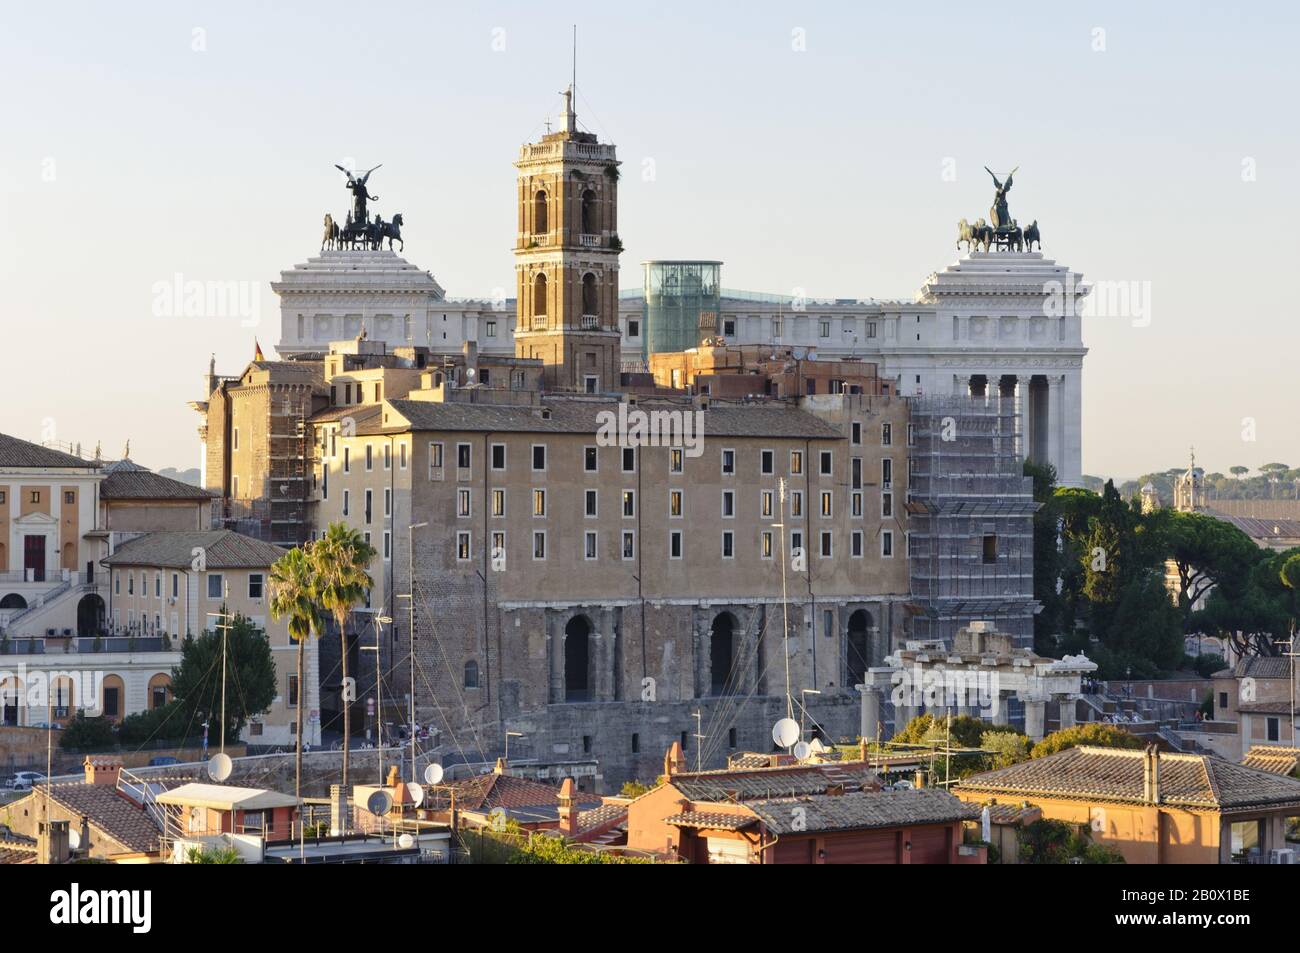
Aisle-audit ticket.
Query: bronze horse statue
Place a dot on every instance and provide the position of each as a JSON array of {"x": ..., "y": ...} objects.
[
  {"x": 331, "y": 238},
  {"x": 392, "y": 231},
  {"x": 1032, "y": 236},
  {"x": 975, "y": 236}
]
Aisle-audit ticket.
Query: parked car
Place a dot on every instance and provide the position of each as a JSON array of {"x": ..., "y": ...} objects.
[
  {"x": 162, "y": 760},
  {"x": 23, "y": 780}
]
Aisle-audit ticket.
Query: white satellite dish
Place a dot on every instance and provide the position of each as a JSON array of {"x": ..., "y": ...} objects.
[
  {"x": 785, "y": 732},
  {"x": 406, "y": 842},
  {"x": 415, "y": 793},
  {"x": 220, "y": 766},
  {"x": 74, "y": 840},
  {"x": 802, "y": 750},
  {"x": 433, "y": 773},
  {"x": 379, "y": 803}
]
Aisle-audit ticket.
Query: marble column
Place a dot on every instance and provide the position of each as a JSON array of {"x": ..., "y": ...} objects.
[
  {"x": 1035, "y": 719},
  {"x": 870, "y": 711},
  {"x": 1001, "y": 713},
  {"x": 1067, "y": 712}
]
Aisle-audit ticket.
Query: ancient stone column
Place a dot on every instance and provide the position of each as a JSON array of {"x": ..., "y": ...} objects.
[
  {"x": 870, "y": 711},
  {"x": 1067, "y": 712},
  {"x": 1035, "y": 719}
]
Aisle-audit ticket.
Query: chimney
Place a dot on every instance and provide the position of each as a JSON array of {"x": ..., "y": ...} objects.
[
  {"x": 568, "y": 813},
  {"x": 919, "y": 781},
  {"x": 84, "y": 845},
  {"x": 102, "y": 770},
  {"x": 500, "y": 766},
  {"x": 1151, "y": 774},
  {"x": 674, "y": 760},
  {"x": 52, "y": 842}
]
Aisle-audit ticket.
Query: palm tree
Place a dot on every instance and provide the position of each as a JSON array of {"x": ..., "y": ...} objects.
[
  {"x": 293, "y": 594},
  {"x": 340, "y": 559}
]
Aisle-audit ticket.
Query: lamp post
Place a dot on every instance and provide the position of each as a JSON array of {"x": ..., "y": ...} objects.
[{"x": 410, "y": 624}]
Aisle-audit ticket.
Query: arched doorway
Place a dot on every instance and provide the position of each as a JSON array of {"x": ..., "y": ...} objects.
[
  {"x": 160, "y": 690},
  {"x": 577, "y": 659},
  {"x": 90, "y": 615},
  {"x": 722, "y": 654},
  {"x": 113, "y": 698},
  {"x": 13, "y": 601},
  {"x": 858, "y": 647}
]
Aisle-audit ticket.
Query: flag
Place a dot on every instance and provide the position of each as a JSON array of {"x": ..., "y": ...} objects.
[{"x": 257, "y": 351}]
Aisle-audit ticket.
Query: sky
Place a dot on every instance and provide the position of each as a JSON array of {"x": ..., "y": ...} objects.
[{"x": 828, "y": 146}]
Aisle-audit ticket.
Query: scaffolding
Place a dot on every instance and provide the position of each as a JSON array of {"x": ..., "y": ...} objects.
[{"x": 971, "y": 518}]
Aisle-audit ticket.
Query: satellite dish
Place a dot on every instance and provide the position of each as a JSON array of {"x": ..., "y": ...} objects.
[
  {"x": 785, "y": 732},
  {"x": 802, "y": 750},
  {"x": 816, "y": 746},
  {"x": 379, "y": 803},
  {"x": 74, "y": 840},
  {"x": 220, "y": 766},
  {"x": 433, "y": 773},
  {"x": 415, "y": 793},
  {"x": 406, "y": 842}
]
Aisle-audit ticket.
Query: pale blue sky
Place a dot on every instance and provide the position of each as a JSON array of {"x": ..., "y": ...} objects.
[{"x": 820, "y": 169}]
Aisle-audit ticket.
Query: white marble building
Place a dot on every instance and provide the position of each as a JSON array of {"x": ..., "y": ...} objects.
[{"x": 338, "y": 294}]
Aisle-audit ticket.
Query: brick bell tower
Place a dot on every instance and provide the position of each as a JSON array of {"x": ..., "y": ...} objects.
[{"x": 566, "y": 258}]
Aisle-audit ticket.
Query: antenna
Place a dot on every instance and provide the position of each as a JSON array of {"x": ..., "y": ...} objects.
[
  {"x": 699, "y": 740},
  {"x": 575, "y": 59}
]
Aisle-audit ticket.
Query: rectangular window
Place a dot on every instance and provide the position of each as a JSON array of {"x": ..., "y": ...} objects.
[
  {"x": 1273, "y": 729},
  {"x": 401, "y": 456},
  {"x": 728, "y": 462},
  {"x": 629, "y": 459},
  {"x": 826, "y": 544},
  {"x": 990, "y": 549},
  {"x": 388, "y": 544},
  {"x": 539, "y": 544},
  {"x": 886, "y": 505},
  {"x": 435, "y": 461},
  {"x": 216, "y": 585},
  {"x": 255, "y": 583},
  {"x": 388, "y": 501},
  {"x": 498, "y": 546},
  {"x": 765, "y": 544},
  {"x": 855, "y": 473},
  {"x": 69, "y": 497},
  {"x": 728, "y": 504},
  {"x": 796, "y": 462},
  {"x": 463, "y": 502},
  {"x": 370, "y": 458},
  {"x": 629, "y": 503},
  {"x": 347, "y": 495},
  {"x": 369, "y": 499},
  {"x": 766, "y": 462},
  {"x": 826, "y": 463},
  {"x": 886, "y": 435},
  {"x": 498, "y": 456},
  {"x": 462, "y": 546},
  {"x": 498, "y": 502},
  {"x": 827, "y": 504},
  {"x": 855, "y": 433},
  {"x": 675, "y": 460},
  {"x": 589, "y": 502},
  {"x": 176, "y": 584},
  {"x": 675, "y": 544},
  {"x": 292, "y": 690},
  {"x": 824, "y": 329},
  {"x": 539, "y": 457},
  {"x": 539, "y": 502},
  {"x": 589, "y": 545},
  {"x": 590, "y": 459},
  {"x": 675, "y": 503},
  {"x": 464, "y": 455},
  {"x": 887, "y": 544},
  {"x": 887, "y": 473},
  {"x": 856, "y": 544},
  {"x": 796, "y": 542},
  {"x": 347, "y": 459},
  {"x": 765, "y": 504},
  {"x": 796, "y": 503},
  {"x": 728, "y": 544},
  {"x": 629, "y": 544}
]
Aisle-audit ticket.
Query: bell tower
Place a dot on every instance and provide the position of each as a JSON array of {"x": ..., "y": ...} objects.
[{"x": 566, "y": 258}]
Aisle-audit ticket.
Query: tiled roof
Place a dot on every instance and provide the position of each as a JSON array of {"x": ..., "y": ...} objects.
[
  {"x": 21, "y": 453},
  {"x": 11, "y": 854},
  {"x": 580, "y": 415},
  {"x": 128, "y": 481},
  {"x": 358, "y": 412},
  {"x": 1111, "y": 774},
  {"x": 222, "y": 548},
  {"x": 784, "y": 781},
  {"x": 1262, "y": 528},
  {"x": 607, "y": 815},
  {"x": 1266, "y": 708},
  {"x": 712, "y": 820},
  {"x": 1277, "y": 759},
  {"x": 862, "y": 810},
  {"x": 107, "y": 809},
  {"x": 1012, "y": 813},
  {"x": 485, "y": 792},
  {"x": 1258, "y": 666}
]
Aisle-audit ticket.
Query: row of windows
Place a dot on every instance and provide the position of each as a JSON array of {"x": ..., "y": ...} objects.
[
  {"x": 216, "y": 584},
  {"x": 369, "y": 451},
  {"x": 35, "y": 496},
  {"x": 825, "y": 544}
]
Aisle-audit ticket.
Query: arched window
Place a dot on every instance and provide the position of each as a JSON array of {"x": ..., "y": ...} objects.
[
  {"x": 160, "y": 690},
  {"x": 113, "y": 698},
  {"x": 590, "y": 221},
  {"x": 539, "y": 213},
  {"x": 577, "y": 660},
  {"x": 90, "y": 615},
  {"x": 13, "y": 601},
  {"x": 539, "y": 295},
  {"x": 471, "y": 674},
  {"x": 722, "y": 654},
  {"x": 590, "y": 303},
  {"x": 858, "y": 647}
]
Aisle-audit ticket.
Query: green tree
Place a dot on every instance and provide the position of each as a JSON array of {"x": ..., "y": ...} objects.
[
  {"x": 1096, "y": 734},
  {"x": 341, "y": 559},
  {"x": 250, "y": 678},
  {"x": 293, "y": 596},
  {"x": 1004, "y": 748},
  {"x": 1047, "y": 841},
  {"x": 84, "y": 733},
  {"x": 1206, "y": 551},
  {"x": 1239, "y": 471}
]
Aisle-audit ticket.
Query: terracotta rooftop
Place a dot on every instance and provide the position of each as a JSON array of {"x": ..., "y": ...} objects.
[
  {"x": 22, "y": 453},
  {"x": 486, "y": 792},
  {"x": 862, "y": 810},
  {"x": 1111, "y": 774},
  {"x": 223, "y": 549},
  {"x": 115, "y": 815},
  {"x": 1257, "y": 666},
  {"x": 1277, "y": 759},
  {"x": 129, "y": 481},
  {"x": 712, "y": 820},
  {"x": 784, "y": 781}
]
